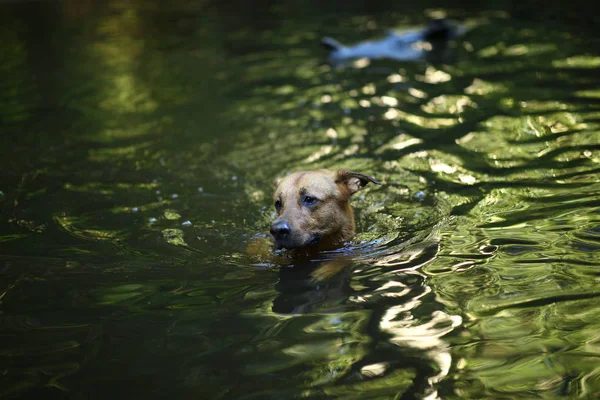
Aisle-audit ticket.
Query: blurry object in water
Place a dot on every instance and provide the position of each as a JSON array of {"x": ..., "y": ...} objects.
[{"x": 412, "y": 45}]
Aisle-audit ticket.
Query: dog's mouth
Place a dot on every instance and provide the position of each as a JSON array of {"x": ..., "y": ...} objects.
[
  {"x": 315, "y": 239},
  {"x": 292, "y": 244}
]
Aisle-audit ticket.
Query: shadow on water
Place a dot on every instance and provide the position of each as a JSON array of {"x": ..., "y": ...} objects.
[{"x": 138, "y": 152}]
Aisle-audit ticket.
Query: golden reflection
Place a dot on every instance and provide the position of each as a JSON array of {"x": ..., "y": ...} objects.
[
  {"x": 419, "y": 94},
  {"x": 481, "y": 87},
  {"x": 144, "y": 207},
  {"x": 174, "y": 237},
  {"x": 400, "y": 142},
  {"x": 448, "y": 104},
  {"x": 391, "y": 114},
  {"x": 591, "y": 93},
  {"x": 327, "y": 349},
  {"x": 108, "y": 189},
  {"x": 516, "y": 50},
  {"x": 323, "y": 151},
  {"x": 425, "y": 122},
  {"x": 119, "y": 132},
  {"x": 530, "y": 49},
  {"x": 126, "y": 93},
  {"x": 171, "y": 215},
  {"x": 326, "y": 99},
  {"x": 122, "y": 152},
  {"x": 579, "y": 61},
  {"x": 489, "y": 51},
  {"x": 331, "y": 133},
  {"x": 422, "y": 45},
  {"x": 73, "y": 225},
  {"x": 129, "y": 96},
  {"x": 434, "y": 76},
  {"x": 361, "y": 63},
  {"x": 395, "y": 78},
  {"x": 122, "y": 293},
  {"x": 389, "y": 101},
  {"x": 283, "y": 90},
  {"x": 467, "y": 179},
  {"x": 438, "y": 166},
  {"x": 369, "y": 89}
]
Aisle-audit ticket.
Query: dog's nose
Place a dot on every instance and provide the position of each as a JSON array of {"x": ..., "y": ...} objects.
[{"x": 280, "y": 229}]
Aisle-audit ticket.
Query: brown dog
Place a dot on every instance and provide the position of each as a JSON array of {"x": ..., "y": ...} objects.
[{"x": 313, "y": 209}]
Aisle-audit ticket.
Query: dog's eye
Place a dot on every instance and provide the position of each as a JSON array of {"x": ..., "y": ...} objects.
[
  {"x": 309, "y": 200},
  {"x": 278, "y": 205}
]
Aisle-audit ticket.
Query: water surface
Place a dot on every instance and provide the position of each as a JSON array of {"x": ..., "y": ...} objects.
[{"x": 139, "y": 147}]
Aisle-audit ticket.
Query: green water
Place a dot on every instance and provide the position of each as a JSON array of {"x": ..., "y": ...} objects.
[{"x": 139, "y": 144}]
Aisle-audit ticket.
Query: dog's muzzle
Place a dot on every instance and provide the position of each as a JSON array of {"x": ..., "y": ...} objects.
[
  {"x": 280, "y": 230},
  {"x": 282, "y": 234},
  {"x": 285, "y": 238}
]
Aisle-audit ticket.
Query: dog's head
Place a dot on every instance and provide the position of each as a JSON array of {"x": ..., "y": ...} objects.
[{"x": 313, "y": 209}]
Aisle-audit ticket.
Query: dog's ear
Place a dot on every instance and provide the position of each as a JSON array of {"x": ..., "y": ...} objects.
[{"x": 352, "y": 181}]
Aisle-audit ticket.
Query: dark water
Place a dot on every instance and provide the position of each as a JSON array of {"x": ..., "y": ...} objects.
[{"x": 139, "y": 145}]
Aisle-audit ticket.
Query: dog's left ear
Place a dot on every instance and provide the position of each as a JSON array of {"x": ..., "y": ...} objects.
[{"x": 353, "y": 181}]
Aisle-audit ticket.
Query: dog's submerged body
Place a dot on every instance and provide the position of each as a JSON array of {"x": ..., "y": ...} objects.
[{"x": 313, "y": 209}]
